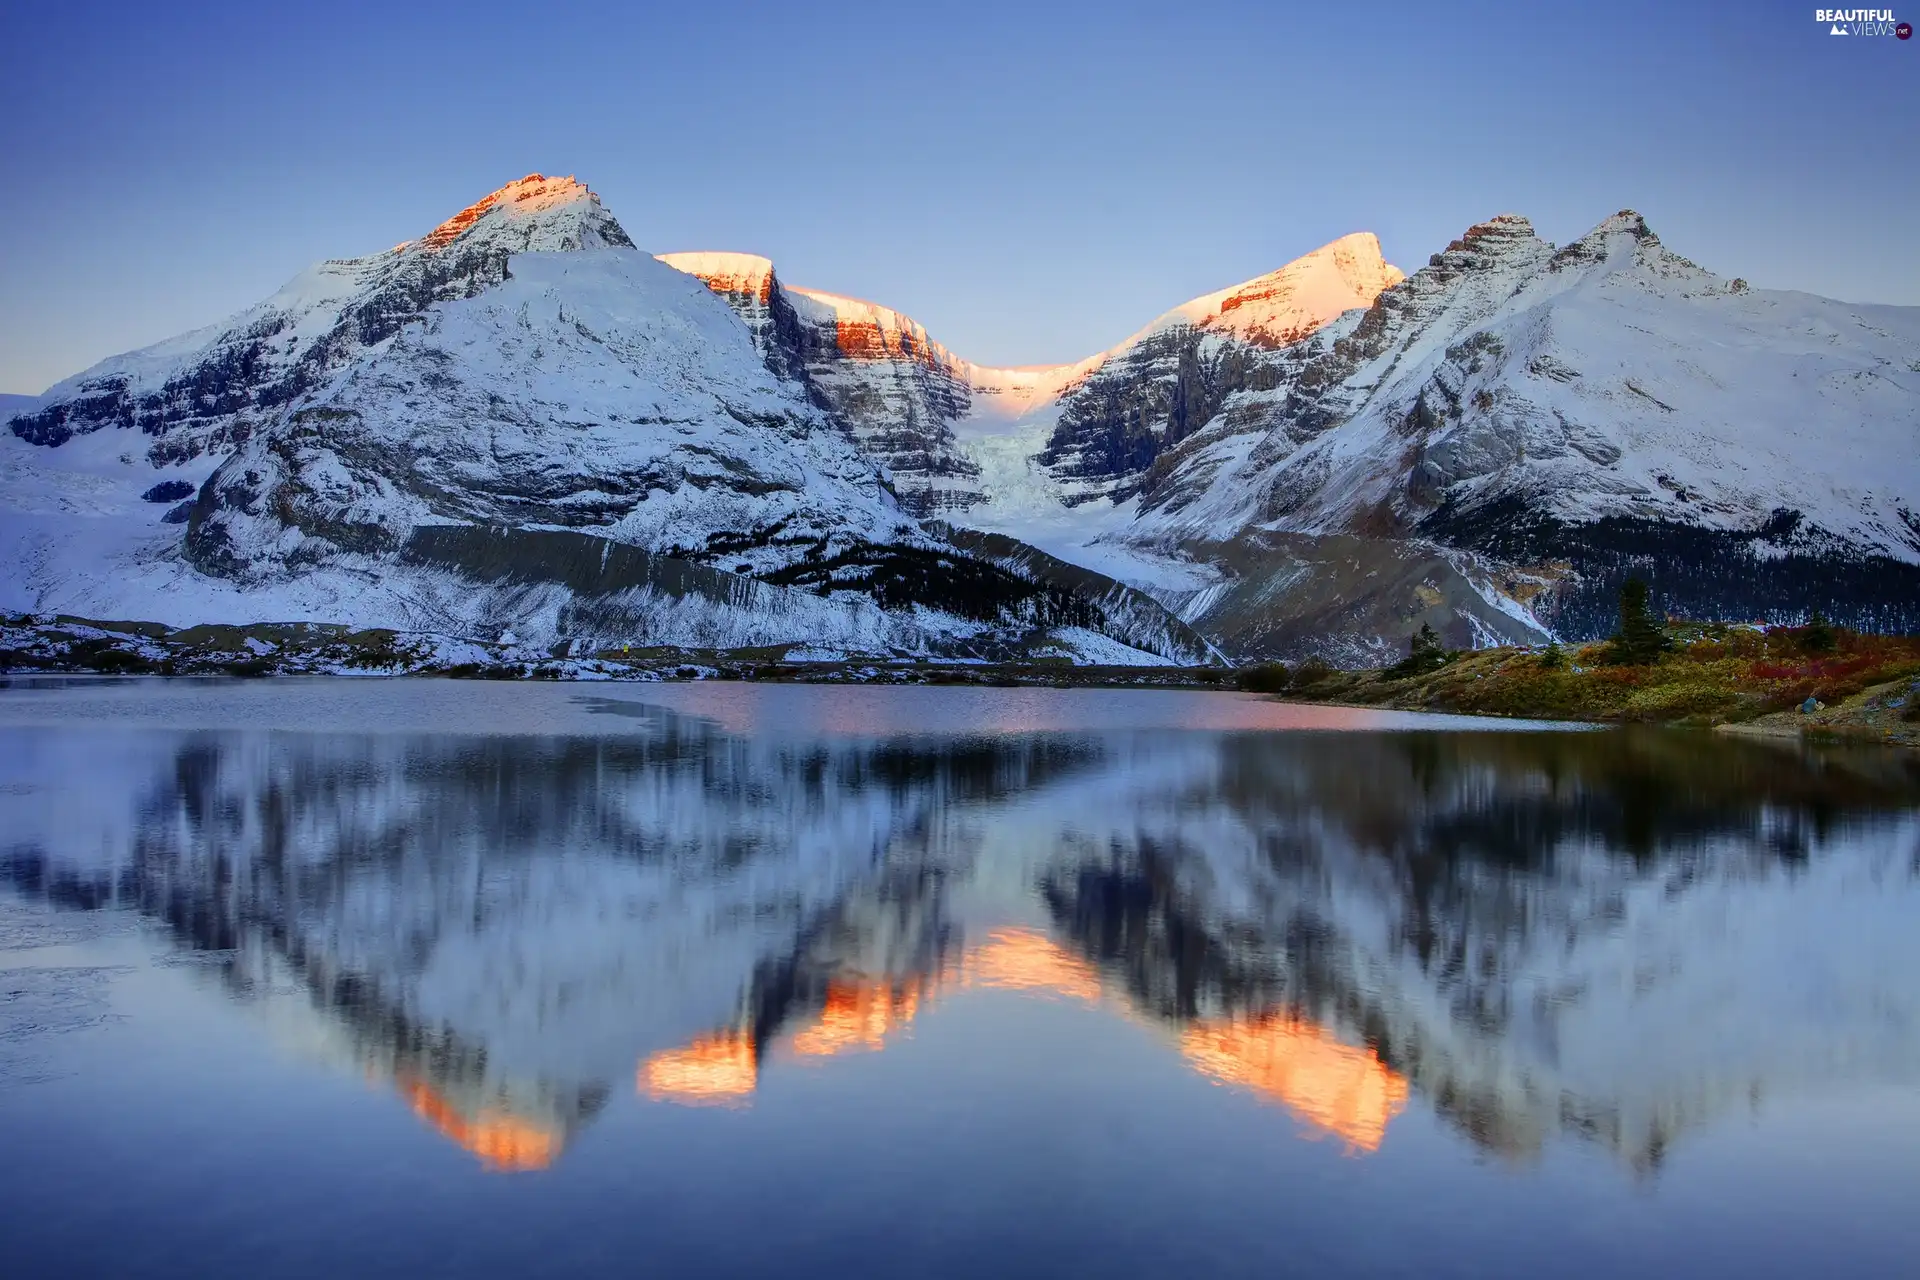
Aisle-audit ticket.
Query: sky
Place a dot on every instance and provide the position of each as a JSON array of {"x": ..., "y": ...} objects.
[{"x": 1031, "y": 181}]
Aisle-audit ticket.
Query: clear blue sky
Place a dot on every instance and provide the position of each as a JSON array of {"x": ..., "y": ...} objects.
[{"x": 1030, "y": 180}]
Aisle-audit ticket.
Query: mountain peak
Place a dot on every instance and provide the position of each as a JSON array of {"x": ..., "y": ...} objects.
[
  {"x": 1286, "y": 305},
  {"x": 1500, "y": 230},
  {"x": 1625, "y": 231},
  {"x": 547, "y": 213}
]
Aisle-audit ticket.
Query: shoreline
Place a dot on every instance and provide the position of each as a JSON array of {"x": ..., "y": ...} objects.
[{"x": 1734, "y": 680}]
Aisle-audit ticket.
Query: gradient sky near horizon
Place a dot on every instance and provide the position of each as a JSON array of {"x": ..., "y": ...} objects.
[{"x": 1032, "y": 181}]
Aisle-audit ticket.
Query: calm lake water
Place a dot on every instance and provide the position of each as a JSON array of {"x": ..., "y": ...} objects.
[{"x": 425, "y": 978}]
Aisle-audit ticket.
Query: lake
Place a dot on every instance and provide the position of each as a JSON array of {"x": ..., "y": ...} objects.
[{"x": 413, "y": 977}]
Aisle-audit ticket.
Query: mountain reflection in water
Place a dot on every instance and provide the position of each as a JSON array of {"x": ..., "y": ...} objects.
[{"x": 1610, "y": 937}]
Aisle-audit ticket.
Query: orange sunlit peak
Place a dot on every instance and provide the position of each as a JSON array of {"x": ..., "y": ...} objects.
[
  {"x": 534, "y": 193},
  {"x": 502, "y": 1141},
  {"x": 714, "y": 1070},
  {"x": 1335, "y": 1088}
]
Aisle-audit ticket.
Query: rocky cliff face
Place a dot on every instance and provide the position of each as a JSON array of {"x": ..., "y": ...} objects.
[{"x": 893, "y": 389}]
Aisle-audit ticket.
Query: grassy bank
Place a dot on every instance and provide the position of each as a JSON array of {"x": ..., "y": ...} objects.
[{"x": 1860, "y": 685}]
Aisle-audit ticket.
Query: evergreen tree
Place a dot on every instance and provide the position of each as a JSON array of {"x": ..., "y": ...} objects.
[
  {"x": 1817, "y": 636},
  {"x": 1425, "y": 647},
  {"x": 1424, "y": 653},
  {"x": 1640, "y": 639}
]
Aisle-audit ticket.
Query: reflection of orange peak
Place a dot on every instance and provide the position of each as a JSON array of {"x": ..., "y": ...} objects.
[
  {"x": 857, "y": 1016},
  {"x": 715, "y": 1070},
  {"x": 1335, "y": 1087},
  {"x": 1026, "y": 960},
  {"x": 502, "y": 1141}
]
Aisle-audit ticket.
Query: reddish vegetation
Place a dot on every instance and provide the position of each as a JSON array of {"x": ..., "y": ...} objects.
[{"x": 1712, "y": 674}]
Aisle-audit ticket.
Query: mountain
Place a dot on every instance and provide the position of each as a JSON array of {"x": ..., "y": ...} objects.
[
  {"x": 210, "y": 387},
  {"x": 519, "y": 421},
  {"x": 1550, "y": 421},
  {"x": 916, "y": 406},
  {"x": 1173, "y": 377},
  {"x": 900, "y": 394},
  {"x": 516, "y": 422}
]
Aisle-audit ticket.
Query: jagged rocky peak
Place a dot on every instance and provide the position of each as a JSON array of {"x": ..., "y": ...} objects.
[
  {"x": 1626, "y": 238},
  {"x": 1496, "y": 235}
]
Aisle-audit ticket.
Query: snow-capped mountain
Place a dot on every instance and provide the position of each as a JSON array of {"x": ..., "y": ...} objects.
[
  {"x": 1173, "y": 377},
  {"x": 1555, "y": 419},
  {"x": 1318, "y": 460},
  {"x": 520, "y": 369},
  {"x": 209, "y": 387}
]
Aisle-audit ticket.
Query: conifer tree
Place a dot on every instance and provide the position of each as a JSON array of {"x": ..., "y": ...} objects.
[
  {"x": 1817, "y": 636},
  {"x": 1424, "y": 653},
  {"x": 1640, "y": 640}
]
